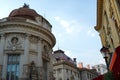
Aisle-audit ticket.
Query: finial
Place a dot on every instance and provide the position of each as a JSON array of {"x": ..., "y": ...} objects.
[{"x": 25, "y": 5}]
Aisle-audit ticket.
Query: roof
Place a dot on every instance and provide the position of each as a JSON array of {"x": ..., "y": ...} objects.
[
  {"x": 59, "y": 55},
  {"x": 24, "y": 12}
]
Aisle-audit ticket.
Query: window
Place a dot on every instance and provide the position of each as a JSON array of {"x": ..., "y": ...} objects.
[
  {"x": 59, "y": 70},
  {"x": 118, "y": 2},
  {"x": 13, "y": 67},
  {"x": 45, "y": 69},
  {"x": 0, "y": 71}
]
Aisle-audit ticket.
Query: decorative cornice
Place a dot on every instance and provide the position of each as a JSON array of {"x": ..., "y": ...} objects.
[
  {"x": 32, "y": 26},
  {"x": 17, "y": 51},
  {"x": 64, "y": 62},
  {"x": 99, "y": 14}
]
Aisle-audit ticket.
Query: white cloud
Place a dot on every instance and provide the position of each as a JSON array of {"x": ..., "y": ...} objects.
[
  {"x": 102, "y": 61},
  {"x": 90, "y": 32},
  {"x": 70, "y": 27}
]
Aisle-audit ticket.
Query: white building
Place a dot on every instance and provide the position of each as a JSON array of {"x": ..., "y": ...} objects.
[
  {"x": 87, "y": 73},
  {"x": 26, "y": 44},
  {"x": 64, "y": 67},
  {"x": 101, "y": 68}
]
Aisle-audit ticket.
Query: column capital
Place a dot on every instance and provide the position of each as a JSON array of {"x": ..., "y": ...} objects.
[{"x": 27, "y": 35}]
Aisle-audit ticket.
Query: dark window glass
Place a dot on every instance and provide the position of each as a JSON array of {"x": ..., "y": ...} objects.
[{"x": 13, "y": 67}]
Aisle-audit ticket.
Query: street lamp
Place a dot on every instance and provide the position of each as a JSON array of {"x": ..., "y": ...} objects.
[{"x": 105, "y": 53}]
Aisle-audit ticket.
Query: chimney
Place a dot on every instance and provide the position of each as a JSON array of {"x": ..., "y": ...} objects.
[
  {"x": 88, "y": 66},
  {"x": 80, "y": 65},
  {"x": 74, "y": 59}
]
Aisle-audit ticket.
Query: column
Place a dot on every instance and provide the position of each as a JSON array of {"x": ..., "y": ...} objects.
[
  {"x": 2, "y": 48},
  {"x": 39, "y": 60},
  {"x": 26, "y": 49},
  {"x": 39, "y": 57},
  {"x": 3, "y": 58},
  {"x": 24, "y": 61},
  {"x": 63, "y": 74},
  {"x": 4, "y": 72}
]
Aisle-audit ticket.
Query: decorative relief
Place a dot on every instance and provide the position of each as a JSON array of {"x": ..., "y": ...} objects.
[
  {"x": 33, "y": 52},
  {"x": 51, "y": 77},
  {"x": 33, "y": 39},
  {"x": 32, "y": 71},
  {"x": 14, "y": 43},
  {"x": 46, "y": 47}
]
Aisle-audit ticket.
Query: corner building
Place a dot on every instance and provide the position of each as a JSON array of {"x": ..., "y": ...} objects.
[
  {"x": 64, "y": 67},
  {"x": 108, "y": 26},
  {"x": 26, "y": 43}
]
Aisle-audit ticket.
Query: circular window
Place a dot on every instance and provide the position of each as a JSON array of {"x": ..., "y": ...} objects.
[{"x": 14, "y": 40}]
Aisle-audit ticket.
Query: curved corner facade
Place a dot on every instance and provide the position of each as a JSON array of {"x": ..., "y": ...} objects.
[{"x": 25, "y": 48}]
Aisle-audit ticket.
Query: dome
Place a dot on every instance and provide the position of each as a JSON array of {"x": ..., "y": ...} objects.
[{"x": 24, "y": 12}]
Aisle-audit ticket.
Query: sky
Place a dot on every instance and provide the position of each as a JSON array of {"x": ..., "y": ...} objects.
[{"x": 72, "y": 23}]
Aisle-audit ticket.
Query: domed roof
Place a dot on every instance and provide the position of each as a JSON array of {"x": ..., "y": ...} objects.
[{"x": 24, "y": 12}]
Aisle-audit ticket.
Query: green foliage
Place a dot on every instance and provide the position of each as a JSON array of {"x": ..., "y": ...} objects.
[{"x": 108, "y": 76}]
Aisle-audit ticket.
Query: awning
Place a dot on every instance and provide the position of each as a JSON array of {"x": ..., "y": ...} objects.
[
  {"x": 115, "y": 62},
  {"x": 100, "y": 77}
]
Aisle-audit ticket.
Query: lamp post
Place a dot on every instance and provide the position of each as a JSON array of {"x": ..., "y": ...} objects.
[{"x": 105, "y": 52}]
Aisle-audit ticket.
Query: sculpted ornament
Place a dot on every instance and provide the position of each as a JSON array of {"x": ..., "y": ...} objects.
[{"x": 14, "y": 43}]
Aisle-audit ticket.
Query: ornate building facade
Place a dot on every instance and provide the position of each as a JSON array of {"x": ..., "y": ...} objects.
[
  {"x": 108, "y": 26},
  {"x": 64, "y": 67},
  {"x": 26, "y": 43}
]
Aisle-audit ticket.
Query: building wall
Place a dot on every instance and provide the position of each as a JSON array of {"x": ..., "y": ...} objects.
[
  {"x": 87, "y": 74},
  {"x": 109, "y": 28},
  {"x": 34, "y": 46},
  {"x": 66, "y": 72},
  {"x": 100, "y": 68},
  {"x": 64, "y": 67}
]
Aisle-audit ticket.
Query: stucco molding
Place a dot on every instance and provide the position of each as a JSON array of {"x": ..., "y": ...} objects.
[{"x": 30, "y": 28}]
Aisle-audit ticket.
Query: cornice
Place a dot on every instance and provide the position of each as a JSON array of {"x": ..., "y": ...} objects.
[
  {"x": 99, "y": 14},
  {"x": 64, "y": 62},
  {"x": 30, "y": 26}
]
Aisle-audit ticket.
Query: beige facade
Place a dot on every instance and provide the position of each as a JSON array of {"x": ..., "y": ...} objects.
[
  {"x": 108, "y": 23},
  {"x": 26, "y": 44}
]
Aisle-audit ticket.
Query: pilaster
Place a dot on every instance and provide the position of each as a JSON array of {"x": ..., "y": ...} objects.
[
  {"x": 39, "y": 58},
  {"x": 2, "y": 41}
]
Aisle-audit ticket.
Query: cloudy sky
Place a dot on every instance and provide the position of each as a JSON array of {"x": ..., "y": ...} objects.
[{"x": 73, "y": 24}]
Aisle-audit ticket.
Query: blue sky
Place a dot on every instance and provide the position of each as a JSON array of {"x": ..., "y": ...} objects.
[{"x": 73, "y": 24}]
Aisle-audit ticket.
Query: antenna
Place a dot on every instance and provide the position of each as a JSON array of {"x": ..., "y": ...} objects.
[
  {"x": 58, "y": 45},
  {"x": 44, "y": 15}
]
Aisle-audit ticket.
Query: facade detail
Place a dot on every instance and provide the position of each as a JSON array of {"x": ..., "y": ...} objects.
[
  {"x": 64, "y": 67},
  {"x": 26, "y": 43},
  {"x": 100, "y": 68},
  {"x": 108, "y": 26},
  {"x": 108, "y": 23},
  {"x": 86, "y": 73}
]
